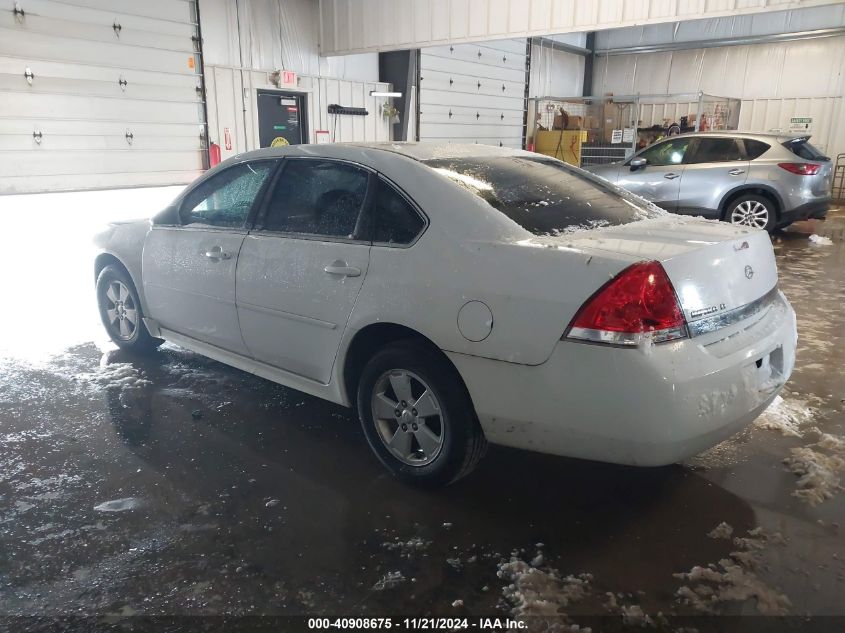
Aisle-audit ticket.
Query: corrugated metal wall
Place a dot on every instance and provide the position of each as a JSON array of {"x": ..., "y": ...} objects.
[
  {"x": 775, "y": 81},
  {"x": 473, "y": 93},
  {"x": 111, "y": 99},
  {"x": 244, "y": 41},
  {"x": 371, "y": 25}
]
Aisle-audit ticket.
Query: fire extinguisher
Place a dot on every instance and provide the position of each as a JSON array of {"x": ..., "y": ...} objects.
[{"x": 214, "y": 154}]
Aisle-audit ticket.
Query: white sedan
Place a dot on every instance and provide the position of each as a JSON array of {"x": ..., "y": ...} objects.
[{"x": 459, "y": 295}]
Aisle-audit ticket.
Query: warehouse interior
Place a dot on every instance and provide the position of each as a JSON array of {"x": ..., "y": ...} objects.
[{"x": 174, "y": 485}]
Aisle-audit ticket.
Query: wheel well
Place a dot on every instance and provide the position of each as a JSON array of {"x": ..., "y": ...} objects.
[
  {"x": 103, "y": 260},
  {"x": 754, "y": 191},
  {"x": 373, "y": 338}
]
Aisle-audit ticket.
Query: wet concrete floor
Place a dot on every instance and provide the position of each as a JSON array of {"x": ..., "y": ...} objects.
[{"x": 172, "y": 484}]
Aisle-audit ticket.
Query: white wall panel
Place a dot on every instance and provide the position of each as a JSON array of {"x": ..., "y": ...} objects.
[
  {"x": 473, "y": 93},
  {"x": 111, "y": 106},
  {"x": 463, "y": 21},
  {"x": 555, "y": 73},
  {"x": 774, "y": 81}
]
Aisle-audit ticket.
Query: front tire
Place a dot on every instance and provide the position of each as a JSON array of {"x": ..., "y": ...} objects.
[
  {"x": 120, "y": 311},
  {"x": 417, "y": 416},
  {"x": 754, "y": 211}
]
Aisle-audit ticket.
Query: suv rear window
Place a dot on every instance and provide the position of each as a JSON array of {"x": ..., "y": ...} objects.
[
  {"x": 544, "y": 196},
  {"x": 804, "y": 150}
]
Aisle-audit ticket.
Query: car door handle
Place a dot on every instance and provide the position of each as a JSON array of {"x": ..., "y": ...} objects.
[
  {"x": 672, "y": 175},
  {"x": 339, "y": 267},
  {"x": 217, "y": 253},
  {"x": 736, "y": 172}
]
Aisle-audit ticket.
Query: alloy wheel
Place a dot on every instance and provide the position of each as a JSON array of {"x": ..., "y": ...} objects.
[
  {"x": 121, "y": 311},
  {"x": 750, "y": 213},
  {"x": 408, "y": 417}
]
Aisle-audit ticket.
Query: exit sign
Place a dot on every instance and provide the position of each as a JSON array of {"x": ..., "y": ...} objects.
[{"x": 287, "y": 78}]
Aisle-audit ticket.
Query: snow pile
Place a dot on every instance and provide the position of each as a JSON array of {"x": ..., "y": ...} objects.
[
  {"x": 118, "y": 375},
  {"x": 533, "y": 592},
  {"x": 817, "y": 471},
  {"x": 119, "y": 505},
  {"x": 723, "y": 530},
  {"x": 786, "y": 416},
  {"x": 820, "y": 240},
  {"x": 733, "y": 579},
  {"x": 389, "y": 580}
]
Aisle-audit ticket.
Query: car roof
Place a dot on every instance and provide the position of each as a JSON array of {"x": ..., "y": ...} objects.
[
  {"x": 769, "y": 136},
  {"x": 413, "y": 150}
]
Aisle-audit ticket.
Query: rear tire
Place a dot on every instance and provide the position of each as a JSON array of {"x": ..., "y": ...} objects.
[
  {"x": 752, "y": 210},
  {"x": 121, "y": 312},
  {"x": 418, "y": 417}
]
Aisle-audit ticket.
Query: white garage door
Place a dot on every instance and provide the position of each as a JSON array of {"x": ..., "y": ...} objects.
[
  {"x": 473, "y": 93},
  {"x": 99, "y": 93}
]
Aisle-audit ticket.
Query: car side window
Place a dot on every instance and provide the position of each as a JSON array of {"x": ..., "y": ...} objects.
[
  {"x": 717, "y": 150},
  {"x": 396, "y": 221},
  {"x": 670, "y": 152},
  {"x": 225, "y": 199},
  {"x": 755, "y": 149},
  {"x": 318, "y": 197}
]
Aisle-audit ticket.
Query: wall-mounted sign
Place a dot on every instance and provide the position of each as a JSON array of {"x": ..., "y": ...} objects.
[
  {"x": 287, "y": 79},
  {"x": 227, "y": 138},
  {"x": 800, "y": 124},
  {"x": 322, "y": 136},
  {"x": 628, "y": 135},
  {"x": 616, "y": 136}
]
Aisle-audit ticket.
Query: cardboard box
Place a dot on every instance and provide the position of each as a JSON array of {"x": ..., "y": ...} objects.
[{"x": 575, "y": 122}]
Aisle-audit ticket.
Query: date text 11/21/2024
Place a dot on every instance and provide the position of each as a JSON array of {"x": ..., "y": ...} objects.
[{"x": 417, "y": 624}]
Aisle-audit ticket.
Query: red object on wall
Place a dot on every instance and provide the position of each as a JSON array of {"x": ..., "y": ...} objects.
[
  {"x": 227, "y": 138},
  {"x": 214, "y": 154}
]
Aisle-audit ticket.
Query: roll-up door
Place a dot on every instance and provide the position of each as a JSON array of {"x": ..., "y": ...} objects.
[
  {"x": 473, "y": 93},
  {"x": 99, "y": 94}
]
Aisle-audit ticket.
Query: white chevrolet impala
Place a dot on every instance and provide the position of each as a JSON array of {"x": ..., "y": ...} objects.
[{"x": 459, "y": 295}]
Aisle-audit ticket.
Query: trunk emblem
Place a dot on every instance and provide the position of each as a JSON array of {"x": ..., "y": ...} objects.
[
  {"x": 749, "y": 272},
  {"x": 741, "y": 247}
]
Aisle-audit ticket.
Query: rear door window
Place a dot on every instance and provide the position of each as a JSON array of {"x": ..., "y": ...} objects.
[
  {"x": 716, "y": 150},
  {"x": 318, "y": 197},
  {"x": 544, "y": 196}
]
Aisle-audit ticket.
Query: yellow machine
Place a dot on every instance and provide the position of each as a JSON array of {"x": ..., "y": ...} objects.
[{"x": 562, "y": 144}]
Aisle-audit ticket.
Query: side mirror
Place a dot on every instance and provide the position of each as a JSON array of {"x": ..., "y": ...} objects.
[{"x": 637, "y": 163}]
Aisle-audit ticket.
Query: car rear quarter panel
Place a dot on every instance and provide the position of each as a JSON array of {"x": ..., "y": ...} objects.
[{"x": 531, "y": 291}]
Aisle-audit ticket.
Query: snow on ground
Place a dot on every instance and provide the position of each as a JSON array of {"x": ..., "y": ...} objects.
[
  {"x": 734, "y": 579},
  {"x": 817, "y": 467},
  {"x": 117, "y": 375},
  {"x": 820, "y": 240},
  {"x": 389, "y": 580},
  {"x": 786, "y": 415},
  {"x": 533, "y": 592}
]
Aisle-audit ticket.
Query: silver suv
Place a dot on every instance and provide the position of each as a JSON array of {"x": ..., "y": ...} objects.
[{"x": 761, "y": 180}]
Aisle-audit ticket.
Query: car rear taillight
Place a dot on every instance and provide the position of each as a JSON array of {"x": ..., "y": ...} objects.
[
  {"x": 638, "y": 304},
  {"x": 802, "y": 169}
]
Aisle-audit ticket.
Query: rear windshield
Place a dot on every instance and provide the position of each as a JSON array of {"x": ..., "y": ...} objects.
[
  {"x": 804, "y": 150},
  {"x": 544, "y": 196}
]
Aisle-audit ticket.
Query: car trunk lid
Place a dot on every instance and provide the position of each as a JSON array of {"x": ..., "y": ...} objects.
[{"x": 714, "y": 267}]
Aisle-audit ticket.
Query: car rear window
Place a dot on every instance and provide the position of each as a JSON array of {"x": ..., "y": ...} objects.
[
  {"x": 544, "y": 196},
  {"x": 804, "y": 150}
]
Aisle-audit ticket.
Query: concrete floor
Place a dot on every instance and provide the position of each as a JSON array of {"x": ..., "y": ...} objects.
[{"x": 173, "y": 485}]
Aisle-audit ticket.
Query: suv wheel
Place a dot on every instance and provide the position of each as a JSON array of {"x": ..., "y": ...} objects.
[
  {"x": 751, "y": 210},
  {"x": 418, "y": 417}
]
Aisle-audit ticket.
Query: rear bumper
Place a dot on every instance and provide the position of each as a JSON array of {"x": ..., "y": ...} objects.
[
  {"x": 817, "y": 210},
  {"x": 646, "y": 407}
]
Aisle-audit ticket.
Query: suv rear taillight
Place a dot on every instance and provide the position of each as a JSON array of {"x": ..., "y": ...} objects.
[
  {"x": 802, "y": 169},
  {"x": 638, "y": 303}
]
